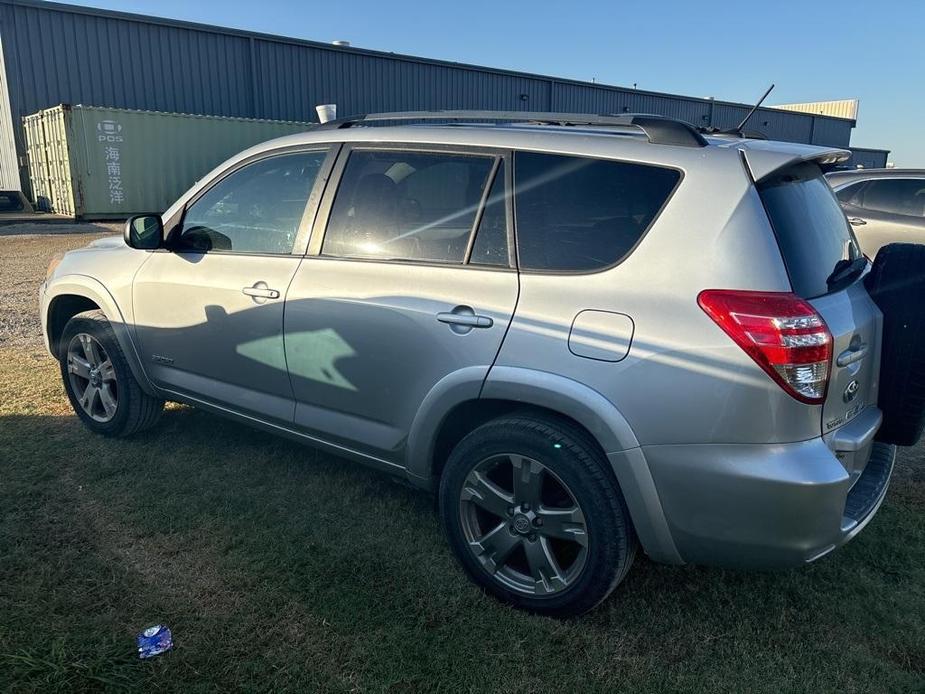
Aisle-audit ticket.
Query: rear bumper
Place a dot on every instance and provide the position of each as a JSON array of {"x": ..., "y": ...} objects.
[{"x": 765, "y": 505}]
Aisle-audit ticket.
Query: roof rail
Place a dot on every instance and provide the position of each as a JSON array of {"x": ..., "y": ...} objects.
[{"x": 659, "y": 130}]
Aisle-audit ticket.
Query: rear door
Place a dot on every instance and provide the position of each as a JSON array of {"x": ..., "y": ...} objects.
[
  {"x": 411, "y": 283},
  {"x": 818, "y": 247}
]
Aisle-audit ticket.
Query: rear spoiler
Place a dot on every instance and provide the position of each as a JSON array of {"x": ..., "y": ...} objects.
[{"x": 763, "y": 159}]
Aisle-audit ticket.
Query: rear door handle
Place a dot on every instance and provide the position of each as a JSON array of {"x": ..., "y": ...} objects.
[
  {"x": 856, "y": 221},
  {"x": 462, "y": 319},
  {"x": 260, "y": 290},
  {"x": 851, "y": 355}
]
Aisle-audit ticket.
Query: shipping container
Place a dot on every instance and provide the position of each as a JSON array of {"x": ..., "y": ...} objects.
[{"x": 104, "y": 163}]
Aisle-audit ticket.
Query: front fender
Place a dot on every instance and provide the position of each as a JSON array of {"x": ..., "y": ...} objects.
[{"x": 92, "y": 289}]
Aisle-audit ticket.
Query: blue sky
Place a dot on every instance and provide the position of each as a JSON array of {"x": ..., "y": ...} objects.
[{"x": 813, "y": 50}]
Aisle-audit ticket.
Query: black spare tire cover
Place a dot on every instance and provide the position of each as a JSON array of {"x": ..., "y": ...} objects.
[{"x": 897, "y": 285}]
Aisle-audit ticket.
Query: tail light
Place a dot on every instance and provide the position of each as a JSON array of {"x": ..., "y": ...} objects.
[{"x": 783, "y": 334}]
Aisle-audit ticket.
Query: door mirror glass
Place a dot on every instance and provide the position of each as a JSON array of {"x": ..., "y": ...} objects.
[{"x": 144, "y": 232}]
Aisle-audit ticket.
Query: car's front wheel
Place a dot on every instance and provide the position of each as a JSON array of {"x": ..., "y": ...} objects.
[
  {"x": 534, "y": 515},
  {"x": 99, "y": 381}
]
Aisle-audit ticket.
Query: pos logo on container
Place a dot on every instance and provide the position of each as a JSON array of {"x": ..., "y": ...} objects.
[{"x": 108, "y": 131}]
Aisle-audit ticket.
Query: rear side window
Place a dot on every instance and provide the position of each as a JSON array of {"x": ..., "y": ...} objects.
[
  {"x": 904, "y": 196},
  {"x": 811, "y": 228},
  {"x": 407, "y": 205},
  {"x": 576, "y": 214}
]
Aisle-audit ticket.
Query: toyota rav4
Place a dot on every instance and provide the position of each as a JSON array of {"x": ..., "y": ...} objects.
[{"x": 585, "y": 334}]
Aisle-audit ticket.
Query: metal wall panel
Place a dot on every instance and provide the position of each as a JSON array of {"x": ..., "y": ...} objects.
[
  {"x": 70, "y": 54},
  {"x": 867, "y": 158},
  {"x": 63, "y": 57},
  {"x": 829, "y": 131},
  {"x": 9, "y": 161},
  {"x": 294, "y": 78}
]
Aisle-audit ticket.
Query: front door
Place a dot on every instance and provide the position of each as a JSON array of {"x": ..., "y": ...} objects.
[
  {"x": 209, "y": 313},
  {"x": 412, "y": 283}
]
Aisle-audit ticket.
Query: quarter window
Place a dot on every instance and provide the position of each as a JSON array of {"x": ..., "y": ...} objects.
[
  {"x": 490, "y": 247},
  {"x": 256, "y": 209},
  {"x": 407, "y": 205},
  {"x": 576, "y": 214},
  {"x": 851, "y": 194}
]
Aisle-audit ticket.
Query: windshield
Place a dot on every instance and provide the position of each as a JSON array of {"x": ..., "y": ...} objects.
[{"x": 811, "y": 228}]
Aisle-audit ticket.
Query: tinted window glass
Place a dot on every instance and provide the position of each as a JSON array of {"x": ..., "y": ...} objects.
[
  {"x": 811, "y": 228},
  {"x": 490, "y": 247},
  {"x": 407, "y": 205},
  {"x": 849, "y": 194},
  {"x": 901, "y": 196},
  {"x": 257, "y": 209},
  {"x": 579, "y": 214}
]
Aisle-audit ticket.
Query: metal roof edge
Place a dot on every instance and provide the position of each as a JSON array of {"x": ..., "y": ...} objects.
[{"x": 276, "y": 38}]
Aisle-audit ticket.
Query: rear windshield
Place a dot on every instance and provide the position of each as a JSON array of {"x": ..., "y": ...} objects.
[{"x": 811, "y": 228}]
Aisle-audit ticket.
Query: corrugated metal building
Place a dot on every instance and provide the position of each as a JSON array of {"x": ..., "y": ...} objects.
[
  {"x": 867, "y": 158},
  {"x": 57, "y": 53}
]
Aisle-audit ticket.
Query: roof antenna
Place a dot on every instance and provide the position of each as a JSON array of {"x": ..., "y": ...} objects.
[{"x": 751, "y": 113}]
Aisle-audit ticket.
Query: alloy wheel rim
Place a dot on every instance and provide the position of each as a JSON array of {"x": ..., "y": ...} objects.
[
  {"x": 523, "y": 525},
  {"x": 92, "y": 377}
]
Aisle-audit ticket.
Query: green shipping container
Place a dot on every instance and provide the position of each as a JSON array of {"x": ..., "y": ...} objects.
[{"x": 105, "y": 163}]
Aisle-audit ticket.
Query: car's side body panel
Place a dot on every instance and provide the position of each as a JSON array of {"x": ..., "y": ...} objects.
[{"x": 355, "y": 358}]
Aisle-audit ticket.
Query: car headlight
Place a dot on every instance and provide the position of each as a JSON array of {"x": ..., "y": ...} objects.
[{"x": 55, "y": 262}]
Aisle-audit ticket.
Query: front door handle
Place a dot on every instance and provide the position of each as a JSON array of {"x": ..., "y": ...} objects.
[
  {"x": 856, "y": 221},
  {"x": 260, "y": 292},
  {"x": 462, "y": 319}
]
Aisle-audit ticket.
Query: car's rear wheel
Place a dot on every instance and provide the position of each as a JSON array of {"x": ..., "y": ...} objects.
[
  {"x": 99, "y": 381},
  {"x": 534, "y": 515}
]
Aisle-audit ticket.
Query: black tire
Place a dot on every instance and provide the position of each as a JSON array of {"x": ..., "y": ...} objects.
[
  {"x": 897, "y": 285},
  {"x": 135, "y": 410},
  {"x": 577, "y": 461}
]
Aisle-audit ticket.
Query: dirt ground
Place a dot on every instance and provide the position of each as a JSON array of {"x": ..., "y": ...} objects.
[{"x": 26, "y": 250}]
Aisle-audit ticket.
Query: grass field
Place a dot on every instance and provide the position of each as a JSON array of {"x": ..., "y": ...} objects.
[{"x": 278, "y": 567}]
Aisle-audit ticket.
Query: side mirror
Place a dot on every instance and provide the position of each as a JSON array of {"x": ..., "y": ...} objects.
[{"x": 144, "y": 232}]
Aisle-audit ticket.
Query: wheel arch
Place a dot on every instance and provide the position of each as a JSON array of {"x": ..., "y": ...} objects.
[
  {"x": 469, "y": 397},
  {"x": 74, "y": 294},
  {"x": 462, "y": 402}
]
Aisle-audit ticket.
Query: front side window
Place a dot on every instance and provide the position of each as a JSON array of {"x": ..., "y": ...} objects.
[
  {"x": 576, "y": 214},
  {"x": 407, "y": 205},
  {"x": 256, "y": 209}
]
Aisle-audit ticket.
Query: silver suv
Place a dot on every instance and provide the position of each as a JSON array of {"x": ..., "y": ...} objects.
[{"x": 585, "y": 334}]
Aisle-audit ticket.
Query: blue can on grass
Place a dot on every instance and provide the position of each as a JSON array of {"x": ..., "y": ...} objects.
[{"x": 154, "y": 641}]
